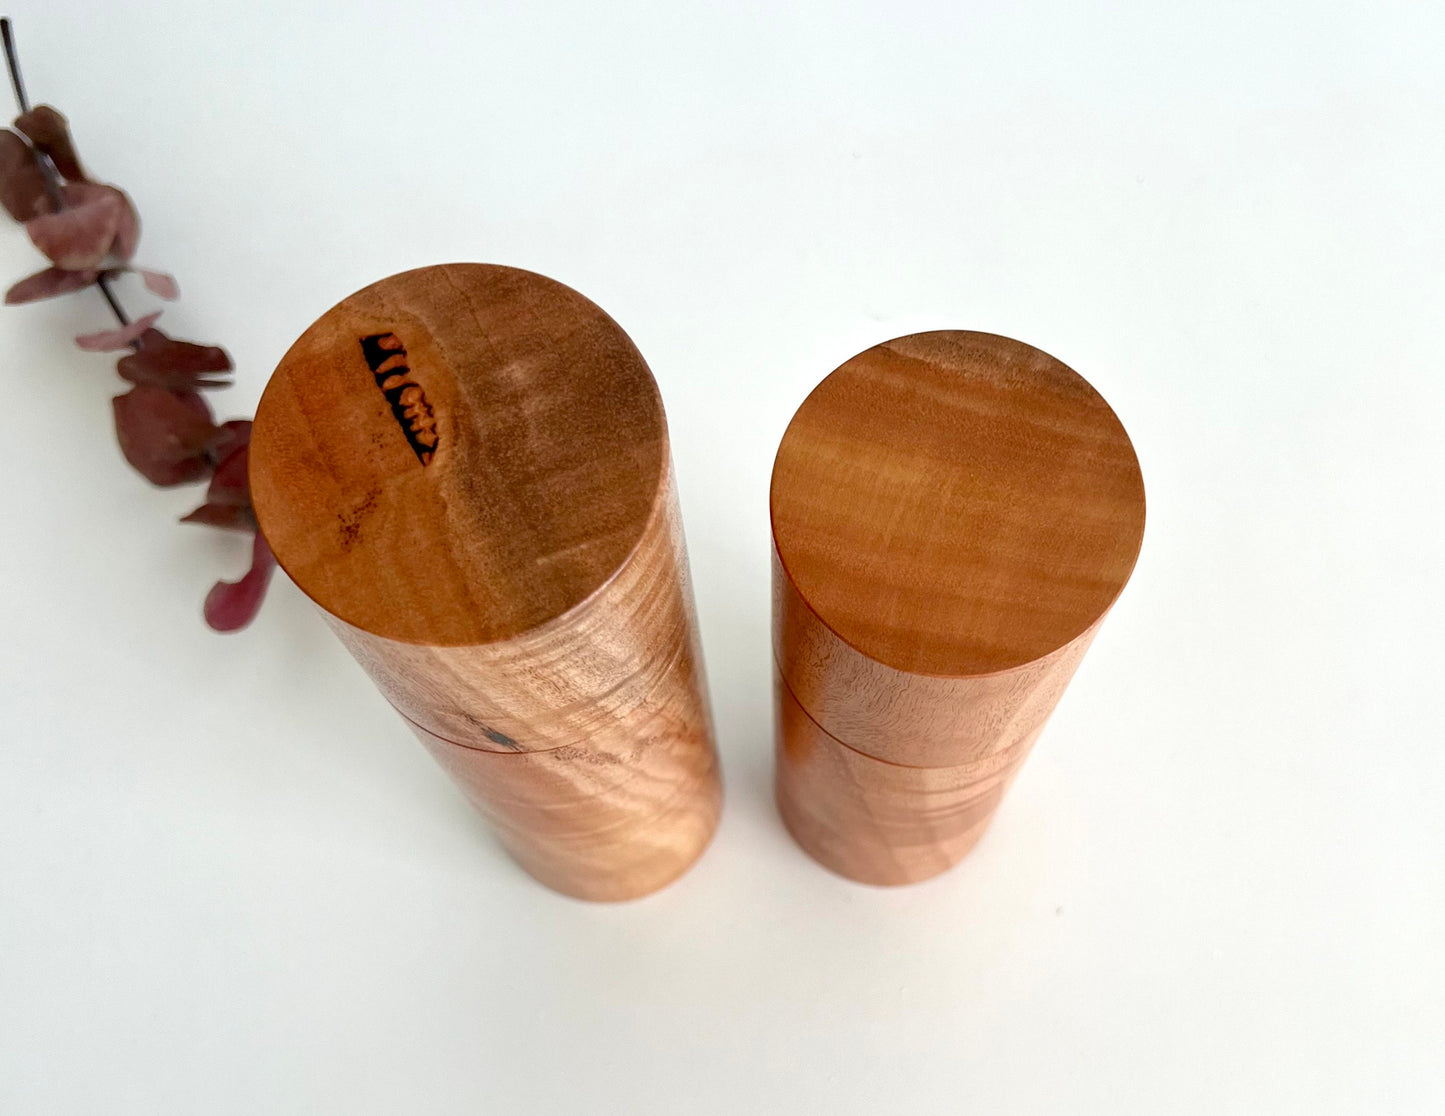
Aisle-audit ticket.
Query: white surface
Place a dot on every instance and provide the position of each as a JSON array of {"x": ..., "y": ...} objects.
[{"x": 230, "y": 882}]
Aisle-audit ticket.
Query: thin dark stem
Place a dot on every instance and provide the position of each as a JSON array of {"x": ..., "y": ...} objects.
[
  {"x": 12, "y": 63},
  {"x": 47, "y": 168},
  {"x": 115, "y": 307}
]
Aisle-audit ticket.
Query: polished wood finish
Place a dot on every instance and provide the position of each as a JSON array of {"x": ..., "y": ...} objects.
[
  {"x": 606, "y": 820},
  {"x": 549, "y": 451},
  {"x": 918, "y": 719},
  {"x": 620, "y": 652},
  {"x": 874, "y": 821},
  {"x": 467, "y": 468},
  {"x": 953, "y": 515}
]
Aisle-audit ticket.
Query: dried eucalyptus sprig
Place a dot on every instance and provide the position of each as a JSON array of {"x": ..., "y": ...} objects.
[{"x": 89, "y": 231}]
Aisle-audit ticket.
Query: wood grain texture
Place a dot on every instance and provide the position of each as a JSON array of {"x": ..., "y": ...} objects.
[
  {"x": 953, "y": 514},
  {"x": 874, "y": 821},
  {"x": 605, "y": 820},
  {"x": 918, "y": 719},
  {"x": 549, "y": 451},
  {"x": 617, "y": 654},
  {"x": 467, "y": 467}
]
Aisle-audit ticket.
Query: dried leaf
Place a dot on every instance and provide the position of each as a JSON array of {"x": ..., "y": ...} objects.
[
  {"x": 49, "y": 283},
  {"x": 22, "y": 183},
  {"x": 164, "y": 434},
  {"x": 127, "y": 233},
  {"x": 230, "y": 435},
  {"x": 110, "y": 340},
  {"x": 127, "y": 230},
  {"x": 182, "y": 356},
  {"x": 159, "y": 283},
  {"x": 48, "y": 130},
  {"x": 177, "y": 365},
  {"x": 229, "y": 485},
  {"x": 224, "y": 516},
  {"x": 79, "y": 236},
  {"x": 230, "y": 605},
  {"x": 174, "y": 383}
]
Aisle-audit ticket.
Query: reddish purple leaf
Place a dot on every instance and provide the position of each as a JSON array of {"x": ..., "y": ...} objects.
[
  {"x": 229, "y": 485},
  {"x": 49, "y": 132},
  {"x": 159, "y": 283},
  {"x": 164, "y": 434},
  {"x": 127, "y": 229},
  {"x": 230, "y": 435},
  {"x": 127, "y": 233},
  {"x": 231, "y": 605},
  {"x": 170, "y": 381},
  {"x": 228, "y": 497},
  {"x": 225, "y": 516},
  {"x": 47, "y": 284},
  {"x": 22, "y": 183},
  {"x": 182, "y": 356},
  {"x": 79, "y": 236},
  {"x": 110, "y": 340},
  {"x": 177, "y": 365}
]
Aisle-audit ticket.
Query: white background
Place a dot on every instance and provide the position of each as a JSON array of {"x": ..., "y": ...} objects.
[{"x": 230, "y": 881}]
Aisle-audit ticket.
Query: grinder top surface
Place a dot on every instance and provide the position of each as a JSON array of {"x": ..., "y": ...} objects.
[
  {"x": 956, "y": 503},
  {"x": 458, "y": 454}
]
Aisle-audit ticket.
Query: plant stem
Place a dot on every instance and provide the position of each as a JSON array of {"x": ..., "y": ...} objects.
[
  {"x": 103, "y": 282},
  {"x": 17, "y": 82},
  {"x": 12, "y": 62},
  {"x": 47, "y": 168}
]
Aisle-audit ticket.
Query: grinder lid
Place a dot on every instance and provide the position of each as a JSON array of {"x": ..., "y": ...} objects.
[
  {"x": 457, "y": 454},
  {"x": 956, "y": 503}
]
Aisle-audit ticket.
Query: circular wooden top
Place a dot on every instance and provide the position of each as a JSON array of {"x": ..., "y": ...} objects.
[
  {"x": 956, "y": 503},
  {"x": 457, "y": 454}
]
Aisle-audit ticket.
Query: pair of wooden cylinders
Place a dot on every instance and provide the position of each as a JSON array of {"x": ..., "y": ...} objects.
[
  {"x": 953, "y": 514},
  {"x": 467, "y": 468}
]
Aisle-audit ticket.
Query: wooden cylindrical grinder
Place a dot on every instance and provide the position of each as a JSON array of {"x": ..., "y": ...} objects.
[
  {"x": 467, "y": 468},
  {"x": 953, "y": 514}
]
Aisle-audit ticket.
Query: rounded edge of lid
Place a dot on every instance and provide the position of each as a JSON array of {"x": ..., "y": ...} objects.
[
  {"x": 659, "y": 485},
  {"x": 956, "y": 674}
]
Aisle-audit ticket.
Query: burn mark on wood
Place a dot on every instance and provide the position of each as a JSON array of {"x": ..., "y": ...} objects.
[{"x": 386, "y": 357}]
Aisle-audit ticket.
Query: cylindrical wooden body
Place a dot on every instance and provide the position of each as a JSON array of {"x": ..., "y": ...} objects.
[
  {"x": 467, "y": 468},
  {"x": 953, "y": 515}
]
